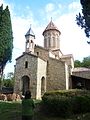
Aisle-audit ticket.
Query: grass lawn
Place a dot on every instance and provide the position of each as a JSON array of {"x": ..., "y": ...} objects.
[{"x": 12, "y": 111}]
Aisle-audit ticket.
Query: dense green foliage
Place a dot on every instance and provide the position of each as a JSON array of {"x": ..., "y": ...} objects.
[
  {"x": 9, "y": 82},
  {"x": 6, "y": 37},
  {"x": 85, "y": 62},
  {"x": 64, "y": 103},
  {"x": 77, "y": 63},
  {"x": 83, "y": 19}
]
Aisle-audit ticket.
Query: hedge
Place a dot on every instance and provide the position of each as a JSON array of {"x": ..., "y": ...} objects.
[{"x": 66, "y": 102}]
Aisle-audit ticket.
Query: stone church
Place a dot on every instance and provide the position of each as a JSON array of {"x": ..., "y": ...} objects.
[{"x": 42, "y": 69}]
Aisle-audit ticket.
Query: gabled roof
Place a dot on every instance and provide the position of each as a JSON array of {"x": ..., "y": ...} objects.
[
  {"x": 51, "y": 26},
  {"x": 30, "y": 54},
  {"x": 37, "y": 46},
  {"x": 25, "y": 53},
  {"x": 57, "y": 50},
  {"x": 67, "y": 56},
  {"x": 30, "y": 32},
  {"x": 81, "y": 69}
]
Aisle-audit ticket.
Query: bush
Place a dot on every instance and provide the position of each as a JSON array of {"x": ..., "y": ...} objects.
[
  {"x": 81, "y": 104},
  {"x": 65, "y": 102}
]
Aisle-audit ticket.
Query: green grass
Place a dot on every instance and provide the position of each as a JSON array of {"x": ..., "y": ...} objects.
[{"x": 12, "y": 111}]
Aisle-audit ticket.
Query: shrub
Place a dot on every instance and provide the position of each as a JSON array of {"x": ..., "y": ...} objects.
[
  {"x": 66, "y": 102},
  {"x": 81, "y": 104}
]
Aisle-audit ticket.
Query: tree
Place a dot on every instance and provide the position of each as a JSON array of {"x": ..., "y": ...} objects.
[
  {"x": 85, "y": 62},
  {"x": 6, "y": 38},
  {"x": 10, "y": 75},
  {"x": 77, "y": 63},
  {"x": 9, "y": 81},
  {"x": 83, "y": 19}
]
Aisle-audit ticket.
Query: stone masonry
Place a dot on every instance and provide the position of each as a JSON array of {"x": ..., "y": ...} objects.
[{"x": 40, "y": 69}]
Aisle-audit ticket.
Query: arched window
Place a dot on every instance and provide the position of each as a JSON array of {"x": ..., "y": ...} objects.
[
  {"x": 43, "y": 85},
  {"x": 45, "y": 42},
  {"x": 27, "y": 44},
  {"x": 49, "y": 42},
  {"x": 26, "y": 64},
  {"x": 37, "y": 53},
  {"x": 31, "y": 44},
  {"x": 53, "y": 41}
]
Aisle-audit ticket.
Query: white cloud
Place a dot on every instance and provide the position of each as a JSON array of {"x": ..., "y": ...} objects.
[
  {"x": 74, "y": 6},
  {"x": 49, "y": 7},
  {"x": 53, "y": 10},
  {"x": 73, "y": 39},
  {"x": 60, "y": 6},
  {"x": 1, "y": 2}
]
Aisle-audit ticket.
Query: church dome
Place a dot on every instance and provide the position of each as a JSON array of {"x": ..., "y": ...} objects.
[
  {"x": 30, "y": 32},
  {"x": 51, "y": 26}
]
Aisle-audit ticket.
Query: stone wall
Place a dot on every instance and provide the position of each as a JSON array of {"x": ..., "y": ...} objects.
[
  {"x": 52, "y": 39},
  {"x": 57, "y": 52},
  {"x": 41, "y": 52},
  {"x": 69, "y": 60},
  {"x": 56, "y": 75},
  {"x": 31, "y": 72},
  {"x": 41, "y": 73}
]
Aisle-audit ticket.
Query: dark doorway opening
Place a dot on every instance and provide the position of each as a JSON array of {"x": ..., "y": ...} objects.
[
  {"x": 83, "y": 83},
  {"x": 25, "y": 84}
]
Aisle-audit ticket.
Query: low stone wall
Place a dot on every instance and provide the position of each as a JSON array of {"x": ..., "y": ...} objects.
[{"x": 10, "y": 97}]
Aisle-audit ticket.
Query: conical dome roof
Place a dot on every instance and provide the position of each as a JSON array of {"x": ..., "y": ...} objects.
[
  {"x": 51, "y": 26},
  {"x": 30, "y": 32}
]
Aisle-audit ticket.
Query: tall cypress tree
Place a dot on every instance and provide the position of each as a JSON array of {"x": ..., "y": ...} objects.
[
  {"x": 83, "y": 20},
  {"x": 6, "y": 37}
]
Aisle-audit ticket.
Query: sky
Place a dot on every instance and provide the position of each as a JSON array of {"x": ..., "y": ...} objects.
[{"x": 38, "y": 13}]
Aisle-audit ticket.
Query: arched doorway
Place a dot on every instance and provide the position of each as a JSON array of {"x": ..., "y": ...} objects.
[
  {"x": 43, "y": 85},
  {"x": 25, "y": 84}
]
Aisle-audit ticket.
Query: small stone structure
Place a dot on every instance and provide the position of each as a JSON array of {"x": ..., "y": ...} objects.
[
  {"x": 42, "y": 69},
  {"x": 81, "y": 76}
]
